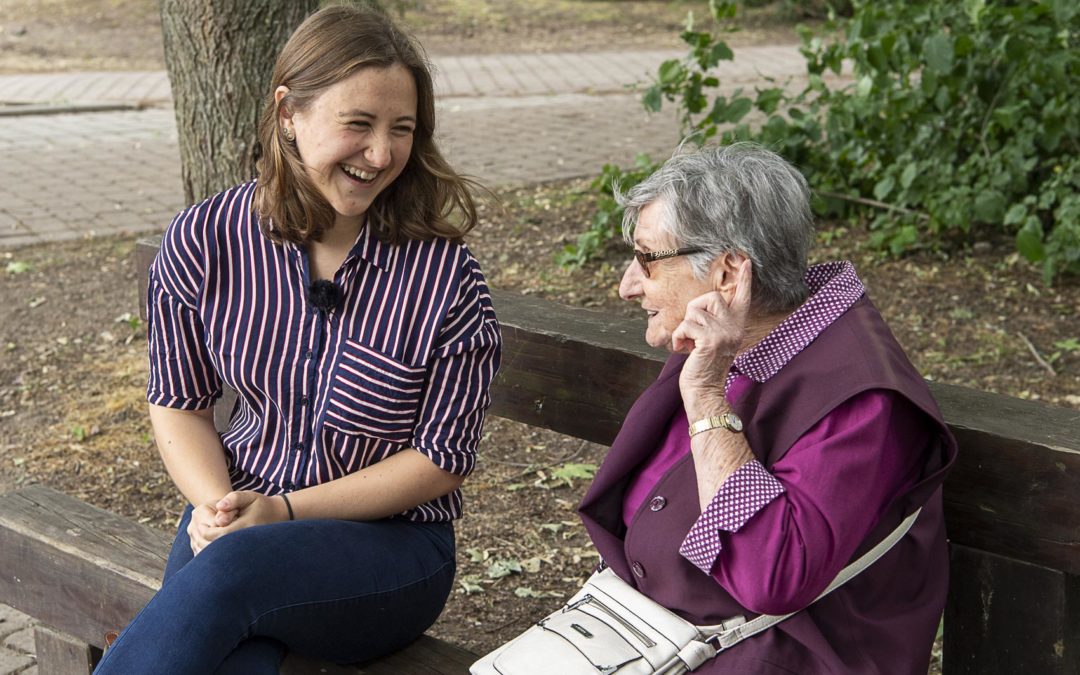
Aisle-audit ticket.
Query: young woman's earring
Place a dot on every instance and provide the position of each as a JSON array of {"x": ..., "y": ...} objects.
[{"x": 290, "y": 135}]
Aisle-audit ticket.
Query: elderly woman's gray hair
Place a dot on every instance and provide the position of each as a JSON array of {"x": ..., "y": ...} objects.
[{"x": 739, "y": 198}]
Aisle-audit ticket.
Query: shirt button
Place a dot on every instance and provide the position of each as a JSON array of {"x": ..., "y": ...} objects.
[
  {"x": 639, "y": 570},
  {"x": 289, "y": 486},
  {"x": 299, "y": 447},
  {"x": 308, "y": 354},
  {"x": 657, "y": 503},
  {"x": 303, "y": 400}
]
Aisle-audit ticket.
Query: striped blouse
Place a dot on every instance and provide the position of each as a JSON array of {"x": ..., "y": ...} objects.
[{"x": 403, "y": 361}]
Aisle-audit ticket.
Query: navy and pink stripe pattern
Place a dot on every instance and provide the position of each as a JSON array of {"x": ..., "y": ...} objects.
[{"x": 404, "y": 361}]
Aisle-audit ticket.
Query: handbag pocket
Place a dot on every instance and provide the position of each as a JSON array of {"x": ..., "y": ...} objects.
[
  {"x": 374, "y": 395},
  {"x": 572, "y": 641}
]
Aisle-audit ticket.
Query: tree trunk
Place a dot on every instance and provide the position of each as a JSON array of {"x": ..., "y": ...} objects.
[{"x": 220, "y": 55}]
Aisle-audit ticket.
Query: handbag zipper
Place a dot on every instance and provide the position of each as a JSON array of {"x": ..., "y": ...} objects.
[{"x": 588, "y": 598}]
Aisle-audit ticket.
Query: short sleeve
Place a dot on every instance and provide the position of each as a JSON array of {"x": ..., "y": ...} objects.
[
  {"x": 181, "y": 373},
  {"x": 462, "y": 366}
]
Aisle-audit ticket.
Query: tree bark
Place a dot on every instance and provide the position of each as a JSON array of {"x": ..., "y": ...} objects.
[{"x": 220, "y": 55}]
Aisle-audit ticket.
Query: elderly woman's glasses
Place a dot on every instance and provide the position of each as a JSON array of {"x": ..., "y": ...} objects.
[{"x": 645, "y": 258}]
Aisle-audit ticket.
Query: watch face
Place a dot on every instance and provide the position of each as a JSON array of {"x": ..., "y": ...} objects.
[{"x": 733, "y": 422}]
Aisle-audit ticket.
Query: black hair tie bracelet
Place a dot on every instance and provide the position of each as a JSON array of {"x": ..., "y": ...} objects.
[{"x": 288, "y": 505}]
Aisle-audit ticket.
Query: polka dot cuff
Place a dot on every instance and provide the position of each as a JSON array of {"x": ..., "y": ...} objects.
[{"x": 743, "y": 494}]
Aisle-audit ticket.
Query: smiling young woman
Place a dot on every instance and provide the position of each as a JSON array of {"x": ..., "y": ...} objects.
[
  {"x": 335, "y": 295},
  {"x": 334, "y": 65}
]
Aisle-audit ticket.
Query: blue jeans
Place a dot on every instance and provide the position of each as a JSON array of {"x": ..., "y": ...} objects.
[{"x": 334, "y": 590}]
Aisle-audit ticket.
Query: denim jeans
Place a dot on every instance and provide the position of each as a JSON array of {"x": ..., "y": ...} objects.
[{"x": 334, "y": 590}]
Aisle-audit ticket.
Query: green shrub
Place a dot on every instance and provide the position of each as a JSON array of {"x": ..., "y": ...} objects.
[
  {"x": 607, "y": 221},
  {"x": 962, "y": 120}
]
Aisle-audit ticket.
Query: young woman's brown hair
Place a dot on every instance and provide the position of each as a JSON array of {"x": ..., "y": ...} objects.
[{"x": 328, "y": 47}]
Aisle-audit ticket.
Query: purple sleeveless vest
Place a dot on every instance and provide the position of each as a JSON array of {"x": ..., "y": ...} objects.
[{"x": 884, "y": 620}]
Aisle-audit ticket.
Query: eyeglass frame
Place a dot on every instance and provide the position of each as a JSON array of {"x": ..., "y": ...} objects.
[{"x": 644, "y": 258}]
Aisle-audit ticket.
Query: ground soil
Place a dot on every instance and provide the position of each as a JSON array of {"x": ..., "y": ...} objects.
[{"x": 73, "y": 366}]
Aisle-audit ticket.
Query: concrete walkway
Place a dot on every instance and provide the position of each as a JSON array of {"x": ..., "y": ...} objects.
[{"x": 90, "y": 154}]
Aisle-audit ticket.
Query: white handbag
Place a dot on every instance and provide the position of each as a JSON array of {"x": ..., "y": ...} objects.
[{"x": 610, "y": 627}]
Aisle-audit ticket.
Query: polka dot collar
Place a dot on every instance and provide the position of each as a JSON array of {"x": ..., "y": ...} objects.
[{"x": 834, "y": 287}]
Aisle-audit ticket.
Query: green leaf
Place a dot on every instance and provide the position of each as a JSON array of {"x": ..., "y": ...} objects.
[
  {"x": 671, "y": 71},
  {"x": 911, "y": 171},
  {"x": 905, "y": 238},
  {"x": 1016, "y": 214},
  {"x": 1064, "y": 10},
  {"x": 653, "y": 99},
  {"x": 722, "y": 9},
  {"x": 884, "y": 187},
  {"x": 1029, "y": 240},
  {"x": 470, "y": 584},
  {"x": 17, "y": 267},
  {"x": 1007, "y": 116},
  {"x": 478, "y": 554},
  {"x": 769, "y": 99},
  {"x": 568, "y": 472},
  {"x": 938, "y": 53},
  {"x": 877, "y": 58},
  {"x": 864, "y": 87},
  {"x": 721, "y": 52},
  {"x": 737, "y": 109},
  {"x": 1069, "y": 345},
  {"x": 990, "y": 207},
  {"x": 974, "y": 10},
  {"x": 503, "y": 568}
]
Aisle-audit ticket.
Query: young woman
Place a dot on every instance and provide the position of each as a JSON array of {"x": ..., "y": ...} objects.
[{"x": 334, "y": 294}]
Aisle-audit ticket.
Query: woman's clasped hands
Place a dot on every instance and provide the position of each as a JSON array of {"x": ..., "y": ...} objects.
[{"x": 233, "y": 512}]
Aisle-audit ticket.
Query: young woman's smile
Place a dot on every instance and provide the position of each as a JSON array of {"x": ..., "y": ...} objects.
[{"x": 356, "y": 137}]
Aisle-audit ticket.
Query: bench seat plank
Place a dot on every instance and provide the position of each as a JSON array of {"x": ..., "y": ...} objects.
[
  {"x": 73, "y": 566},
  {"x": 60, "y": 653}
]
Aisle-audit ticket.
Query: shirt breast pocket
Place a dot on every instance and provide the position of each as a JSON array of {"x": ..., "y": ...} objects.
[{"x": 374, "y": 395}]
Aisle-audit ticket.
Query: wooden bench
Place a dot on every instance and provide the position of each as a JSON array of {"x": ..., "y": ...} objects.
[{"x": 1012, "y": 509}]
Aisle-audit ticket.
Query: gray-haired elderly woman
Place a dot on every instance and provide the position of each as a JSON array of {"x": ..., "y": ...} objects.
[{"x": 787, "y": 434}]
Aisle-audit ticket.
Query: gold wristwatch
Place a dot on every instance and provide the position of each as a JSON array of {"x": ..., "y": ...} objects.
[{"x": 727, "y": 420}]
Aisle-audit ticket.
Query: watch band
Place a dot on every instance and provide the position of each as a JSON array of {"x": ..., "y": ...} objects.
[{"x": 727, "y": 420}]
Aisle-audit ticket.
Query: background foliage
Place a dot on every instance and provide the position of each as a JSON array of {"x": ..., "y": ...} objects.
[{"x": 960, "y": 121}]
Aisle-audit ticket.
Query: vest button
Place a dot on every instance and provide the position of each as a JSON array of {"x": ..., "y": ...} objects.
[
  {"x": 639, "y": 570},
  {"x": 657, "y": 503}
]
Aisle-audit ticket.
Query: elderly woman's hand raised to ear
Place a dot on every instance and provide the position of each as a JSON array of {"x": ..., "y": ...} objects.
[{"x": 712, "y": 332}]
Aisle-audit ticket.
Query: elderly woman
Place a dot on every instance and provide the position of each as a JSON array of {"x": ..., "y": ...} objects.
[
  {"x": 787, "y": 434},
  {"x": 334, "y": 293}
]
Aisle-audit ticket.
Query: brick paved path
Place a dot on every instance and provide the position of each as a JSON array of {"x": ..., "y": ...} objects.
[{"x": 508, "y": 119}]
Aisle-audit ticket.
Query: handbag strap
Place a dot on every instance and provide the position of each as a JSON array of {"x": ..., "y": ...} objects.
[{"x": 721, "y": 636}]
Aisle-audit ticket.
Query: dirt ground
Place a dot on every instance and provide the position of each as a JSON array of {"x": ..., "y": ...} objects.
[{"x": 72, "y": 360}]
